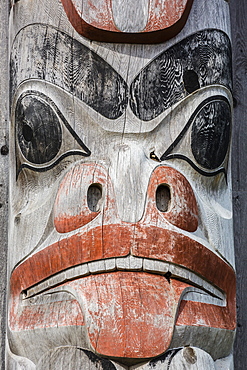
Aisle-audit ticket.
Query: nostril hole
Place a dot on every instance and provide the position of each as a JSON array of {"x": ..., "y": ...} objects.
[
  {"x": 163, "y": 197},
  {"x": 94, "y": 196}
]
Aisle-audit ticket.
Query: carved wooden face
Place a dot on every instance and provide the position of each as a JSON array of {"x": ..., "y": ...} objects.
[{"x": 120, "y": 223}]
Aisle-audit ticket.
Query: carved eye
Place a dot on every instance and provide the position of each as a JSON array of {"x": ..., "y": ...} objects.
[
  {"x": 38, "y": 129},
  {"x": 210, "y": 134}
]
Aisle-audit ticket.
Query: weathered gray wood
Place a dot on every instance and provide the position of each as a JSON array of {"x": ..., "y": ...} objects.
[
  {"x": 239, "y": 172},
  {"x": 71, "y": 358},
  {"x": 70, "y": 91},
  {"x": 3, "y": 170},
  {"x": 129, "y": 16}
]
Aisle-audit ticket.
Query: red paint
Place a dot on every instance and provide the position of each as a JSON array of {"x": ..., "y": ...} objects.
[
  {"x": 158, "y": 244},
  {"x": 49, "y": 315},
  {"x": 130, "y": 314},
  {"x": 165, "y": 21},
  {"x": 153, "y": 237},
  {"x": 183, "y": 211},
  {"x": 71, "y": 209}
]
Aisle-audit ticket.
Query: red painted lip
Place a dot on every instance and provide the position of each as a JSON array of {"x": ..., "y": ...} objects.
[{"x": 119, "y": 240}]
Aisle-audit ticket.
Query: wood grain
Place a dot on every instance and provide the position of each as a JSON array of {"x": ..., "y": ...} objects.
[
  {"x": 129, "y": 16},
  {"x": 158, "y": 86},
  {"x": 4, "y": 149},
  {"x": 70, "y": 358},
  {"x": 158, "y": 21},
  {"x": 239, "y": 155},
  {"x": 98, "y": 270}
]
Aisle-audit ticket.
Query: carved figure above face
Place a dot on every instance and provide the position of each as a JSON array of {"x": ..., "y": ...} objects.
[
  {"x": 120, "y": 224},
  {"x": 144, "y": 21}
]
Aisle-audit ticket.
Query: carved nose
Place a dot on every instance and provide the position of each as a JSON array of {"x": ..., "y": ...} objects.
[
  {"x": 171, "y": 197},
  {"x": 82, "y": 195},
  {"x": 86, "y": 191}
]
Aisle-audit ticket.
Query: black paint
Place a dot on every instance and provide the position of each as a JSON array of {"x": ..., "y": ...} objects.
[
  {"x": 38, "y": 130},
  {"x": 71, "y": 357},
  {"x": 201, "y": 59},
  {"x": 4, "y": 150},
  {"x": 27, "y": 132},
  {"x": 64, "y": 61},
  {"x": 210, "y": 136},
  {"x": 165, "y": 358},
  {"x": 53, "y": 164},
  {"x": 196, "y": 168},
  {"x": 101, "y": 363},
  {"x": 191, "y": 81},
  {"x": 154, "y": 157},
  {"x": 39, "y": 133},
  {"x": 168, "y": 275}
]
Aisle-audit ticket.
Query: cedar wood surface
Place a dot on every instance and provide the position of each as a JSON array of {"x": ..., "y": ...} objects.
[
  {"x": 239, "y": 172},
  {"x": 3, "y": 170},
  {"x": 239, "y": 159}
]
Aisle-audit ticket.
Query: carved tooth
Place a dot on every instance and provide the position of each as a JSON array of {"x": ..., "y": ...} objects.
[
  {"x": 161, "y": 267},
  {"x": 155, "y": 266},
  {"x": 31, "y": 291},
  {"x": 182, "y": 273},
  {"x": 57, "y": 279},
  {"x": 82, "y": 270},
  {"x": 196, "y": 279},
  {"x": 43, "y": 285},
  {"x": 148, "y": 265},
  {"x": 37, "y": 289},
  {"x": 191, "y": 277},
  {"x": 132, "y": 263},
  {"x": 176, "y": 271},
  {"x": 127, "y": 263},
  {"x": 135, "y": 263},
  {"x": 110, "y": 264},
  {"x": 70, "y": 273},
  {"x": 96, "y": 266},
  {"x": 121, "y": 263}
]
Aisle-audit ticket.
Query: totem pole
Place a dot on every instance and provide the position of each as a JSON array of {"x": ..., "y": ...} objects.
[{"x": 121, "y": 241}]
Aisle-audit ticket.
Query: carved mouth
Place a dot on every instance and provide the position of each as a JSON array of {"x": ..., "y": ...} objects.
[
  {"x": 200, "y": 290},
  {"x": 129, "y": 247},
  {"x": 181, "y": 273},
  {"x": 135, "y": 279}
]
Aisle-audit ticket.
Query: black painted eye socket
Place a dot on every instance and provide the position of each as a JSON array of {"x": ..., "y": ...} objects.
[
  {"x": 38, "y": 129},
  {"x": 210, "y": 135}
]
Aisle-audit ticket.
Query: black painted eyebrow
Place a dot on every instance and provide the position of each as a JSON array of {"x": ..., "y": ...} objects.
[
  {"x": 54, "y": 56},
  {"x": 199, "y": 60}
]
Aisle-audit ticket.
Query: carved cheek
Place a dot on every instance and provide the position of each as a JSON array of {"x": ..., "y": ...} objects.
[
  {"x": 170, "y": 195},
  {"x": 80, "y": 197}
]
